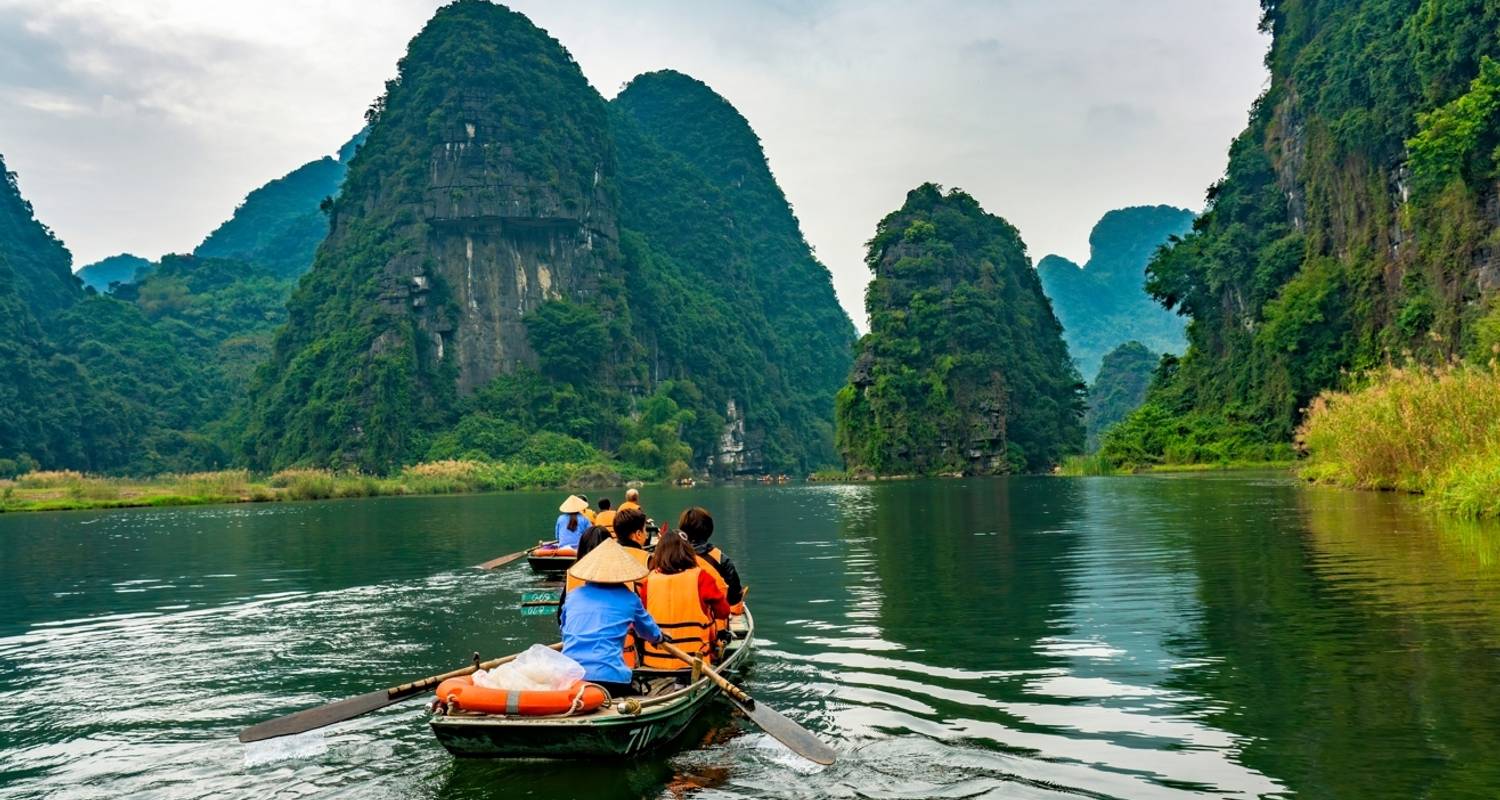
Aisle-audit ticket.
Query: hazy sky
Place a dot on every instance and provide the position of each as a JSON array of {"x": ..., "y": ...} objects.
[{"x": 138, "y": 125}]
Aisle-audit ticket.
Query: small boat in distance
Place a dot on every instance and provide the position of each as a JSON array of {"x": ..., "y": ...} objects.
[
  {"x": 549, "y": 559},
  {"x": 621, "y": 727}
]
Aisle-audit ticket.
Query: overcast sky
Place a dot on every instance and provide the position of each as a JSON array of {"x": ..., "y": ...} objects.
[{"x": 138, "y": 125}]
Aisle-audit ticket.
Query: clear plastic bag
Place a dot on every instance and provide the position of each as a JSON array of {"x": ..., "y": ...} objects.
[{"x": 540, "y": 668}]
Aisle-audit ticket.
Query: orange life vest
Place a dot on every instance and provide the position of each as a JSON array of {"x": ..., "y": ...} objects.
[
  {"x": 606, "y": 519},
  {"x": 718, "y": 557},
  {"x": 673, "y": 601},
  {"x": 630, "y": 504}
]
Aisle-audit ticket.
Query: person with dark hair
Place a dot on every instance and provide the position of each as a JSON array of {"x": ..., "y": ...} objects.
[
  {"x": 630, "y": 531},
  {"x": 605, "y": 516},
  {"x": 571, "y": 522},
  {"x": 598, "y": 617},
  {"x": 684, "y": 600},
  {"x": 698, "y": 525}
]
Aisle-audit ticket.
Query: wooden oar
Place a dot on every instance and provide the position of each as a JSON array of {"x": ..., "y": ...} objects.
[
  {"x": 342, "y": 710},
  {"x": 503, "y": 560},
  {"x": 797, "y": 738}
]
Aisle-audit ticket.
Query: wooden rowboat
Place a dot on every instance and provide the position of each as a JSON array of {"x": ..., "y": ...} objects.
[
  {"x": 549, "y": 564},
  {"x": 622, "y": 727}
]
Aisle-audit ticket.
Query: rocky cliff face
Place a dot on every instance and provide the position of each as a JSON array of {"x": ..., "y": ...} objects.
[
  {"x": 483, "y": 191},
  {"x": 1355, "y": 223},
  {"x": 505, "y": 240},
  {"x": 964, "y": 369}
]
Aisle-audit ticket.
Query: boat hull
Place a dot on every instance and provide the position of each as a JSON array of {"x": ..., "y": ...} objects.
[
  {"x": 551, "y": 565},
  {"x": 609, "y": 733}
]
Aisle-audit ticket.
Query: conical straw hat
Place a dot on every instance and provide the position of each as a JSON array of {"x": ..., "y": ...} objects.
[
  {"x": 573, "y": 504},
  {"x": 608, "y": 563}
]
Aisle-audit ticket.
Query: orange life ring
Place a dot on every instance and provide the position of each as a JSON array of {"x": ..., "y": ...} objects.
[
  {"x": 461, "y": 693},
  {"x": 554, "y": 552}
]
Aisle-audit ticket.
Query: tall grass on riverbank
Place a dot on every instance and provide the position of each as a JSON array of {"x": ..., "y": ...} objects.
[
  {"x": 67, "y": 490},
  {"x": 1432, "y": 431}
]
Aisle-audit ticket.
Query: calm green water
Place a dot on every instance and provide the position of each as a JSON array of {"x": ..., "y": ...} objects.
[{"x": 1176, "y": 637}]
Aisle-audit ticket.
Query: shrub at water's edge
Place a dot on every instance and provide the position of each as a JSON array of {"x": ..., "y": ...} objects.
[
  {"x": 68, "y": 490},
  {"x": 1433, "y": 431}
]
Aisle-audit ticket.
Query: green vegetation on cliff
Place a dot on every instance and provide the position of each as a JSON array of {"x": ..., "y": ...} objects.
[
  {"x": 721, "y": 276},
  {"x": 1356, "y": 223},
  {"x": 1104, "y": 304},
  {"x": 964, "y": 368},
  {"x": 1120, "y": 388},
  {"x": 511, "y": 257}
]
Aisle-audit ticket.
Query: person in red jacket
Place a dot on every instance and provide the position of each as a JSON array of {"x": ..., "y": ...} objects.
[{"x": 685, "y": 600}]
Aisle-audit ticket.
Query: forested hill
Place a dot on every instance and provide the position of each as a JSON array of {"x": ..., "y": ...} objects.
[
  {"x": 1356, "y": 223},
  {"x": 1104, "y": 304},
  {"x": 733, "y": 282},
  {"x": 39, "y": 263},
  {"x": 280, "y": 225},
  {"x": 482, "y": 283},
  {"x": 964, "y": 368}
]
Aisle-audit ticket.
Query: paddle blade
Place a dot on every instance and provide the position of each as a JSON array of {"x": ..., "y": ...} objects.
[
  {"x": 797, "y": 738},
  {"x": 502, "y": 560},
  {"x": 322, "y": 716}
]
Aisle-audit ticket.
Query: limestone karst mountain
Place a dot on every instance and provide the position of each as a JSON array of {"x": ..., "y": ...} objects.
[
  {"x": 1104, "y": 303},
  {"x": 964, "y": 368},
  {"x": 479, "y": 273}
]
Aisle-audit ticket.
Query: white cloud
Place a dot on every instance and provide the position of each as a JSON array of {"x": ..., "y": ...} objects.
[{"x": 138, "y": 125}]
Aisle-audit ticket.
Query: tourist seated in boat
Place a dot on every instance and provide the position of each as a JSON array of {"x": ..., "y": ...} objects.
[
  {"x": 632, "y": 500},
  {"x": 598, "y": 616},
  {"x": 698, "y": 524},
  {"x": 630, "y": 532},
  {"x": 588, "y": 510},
  {"x": 605, "y": 517},
  {"x": 685, "y": 601},
  {"x": 591, "y": 538},
  {"x": 571, "y": 522}
]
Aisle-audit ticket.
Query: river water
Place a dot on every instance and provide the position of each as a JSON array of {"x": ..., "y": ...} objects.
[{"x": 1149, "y": 637}]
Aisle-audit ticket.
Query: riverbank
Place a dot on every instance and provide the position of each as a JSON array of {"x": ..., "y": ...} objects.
[
  {"x": 71, "y": 491},
  {"x": 1076, "y": 466},
  {"x": 1428, "y": 431}
]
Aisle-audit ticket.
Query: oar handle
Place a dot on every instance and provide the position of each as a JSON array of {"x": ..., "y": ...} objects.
[
  {"x": 427, "y": 683},
  {"x": 729, "y": 688}
]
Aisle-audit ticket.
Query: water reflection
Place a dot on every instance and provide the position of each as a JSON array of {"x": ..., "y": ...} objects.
[{"x": 1182, "y": 637}]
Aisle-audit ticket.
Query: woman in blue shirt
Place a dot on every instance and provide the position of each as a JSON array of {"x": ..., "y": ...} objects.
[
  {"x": 571, "y": 523},
  {"x": 597, "y": 616}
]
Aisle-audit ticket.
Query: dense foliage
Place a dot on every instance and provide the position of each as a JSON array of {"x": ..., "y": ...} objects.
[
  {"x": 708, "y": 297},
  {"x": 721, "y": 277},
  {"x": 964, "y": 368},
  {"x": 1120, "y": 388},
  {"x": 279, "y": 225},
  {"x": 1356, "y": 222},
  {"x": 1104, "y": 303}
]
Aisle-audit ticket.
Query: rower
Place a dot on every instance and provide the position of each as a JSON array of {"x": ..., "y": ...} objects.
[
  {"x": 698, "y": 524},
  {"x": 597, "y": 616},
  {"x": 632, "y": 500},
  {"x": 684, "y": 600},
  {"x": 571, "y": 521},
  {"x": 605, "y": 518}
]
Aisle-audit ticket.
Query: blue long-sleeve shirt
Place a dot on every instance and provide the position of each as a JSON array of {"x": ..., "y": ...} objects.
[
  {"x": 567, "y": 538},
  {"x": 595, "y": 618}
]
